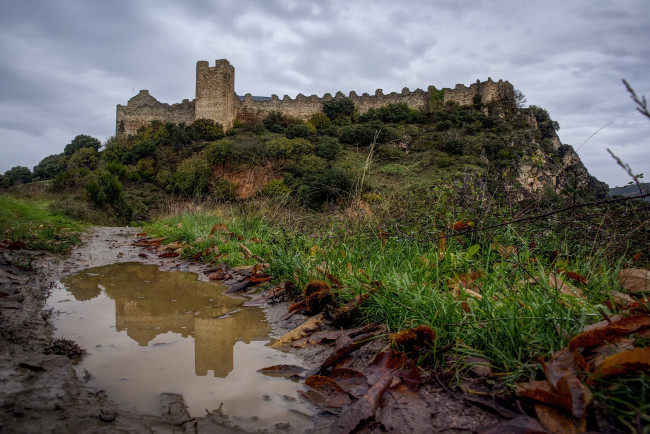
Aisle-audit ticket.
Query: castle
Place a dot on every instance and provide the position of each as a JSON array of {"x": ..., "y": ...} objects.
[{"x": 216, "y": 100}]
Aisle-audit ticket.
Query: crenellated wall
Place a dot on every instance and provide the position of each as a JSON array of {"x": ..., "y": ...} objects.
[
  {"x": 490, "y": 91},
  {"x": 144, "y": 108},
  {"x": 216, "y": 100}
]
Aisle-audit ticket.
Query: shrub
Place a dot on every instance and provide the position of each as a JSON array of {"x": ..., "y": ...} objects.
[
  {"x": 276, "y": 122},
  {"x": 389, "y": 152},
  {"x": 337, "y": 107},
  {"x": 145, "y": 167},
  {"x": 192, "y": 177},
  {"x": 82, "y": 141},
  {"x": 218, "y": 152},
  {"x": 395, "y": 113},
  {"x": 274, "y": 188},
  {"x": 320, "y": 121},
  {"x": 103, "y": 188},
  {"x": 297, "y": 131},
  {"x": 143, "y": 149},
  {"x": 224, "y": 190},
  {"x": 454, "y": 146},
  {"x": 282, "y": 148},
  {"x": 311, "y": 164},
  {"x": 165, "y": 179},
  {"x": 364, "y": 134},
  {"x": 206, "y": 130},
  {"x": 248, "y": 150},
  {"x": 328, "y": 147},
  {"x": 115, "y": 149},
  {"x": 444, "y": 125}
]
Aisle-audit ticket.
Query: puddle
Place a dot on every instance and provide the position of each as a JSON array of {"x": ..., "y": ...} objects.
[{"x": 149, "y": 332}]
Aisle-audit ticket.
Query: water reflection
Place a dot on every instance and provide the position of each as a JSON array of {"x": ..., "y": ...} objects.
[{"x": 149, "y": 303}]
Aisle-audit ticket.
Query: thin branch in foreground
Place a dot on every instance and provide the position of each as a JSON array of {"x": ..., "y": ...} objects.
[{"x": 640, "y": 102}]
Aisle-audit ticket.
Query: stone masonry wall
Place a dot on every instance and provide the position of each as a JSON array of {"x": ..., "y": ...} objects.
[
  {"x": 303, "y": 107},
  {"x": 216, "y": 100},
  {"x": 144, "y": 108},
  {"x": 490, "y": 91}
]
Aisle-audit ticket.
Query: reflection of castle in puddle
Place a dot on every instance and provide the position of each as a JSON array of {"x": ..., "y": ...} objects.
[{"x": 149, "y": 302}]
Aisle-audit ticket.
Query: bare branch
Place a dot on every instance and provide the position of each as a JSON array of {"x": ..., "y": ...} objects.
[{"x": 641, "y": 103}]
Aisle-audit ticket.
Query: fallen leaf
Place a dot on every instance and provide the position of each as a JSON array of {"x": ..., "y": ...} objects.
[
  {"x": 179, "y": 225},
  {"x": 308, "y": 327},
  {"x": 554, "y": 420},
  {"x": 541, "y": 391},
  {"x": 218, "y": 227},
  {"x": 344, "y": 345},
  {"x": 257, "y": 240},
  {"x": 141, "y": 234},
  {"x": 518, "y": 425},
  {"x": 142, "y": 255},
  {"x": 352, "y": 381},
  {"x": 620, "y": 298},
  {"x": 635, "y": 279},
  {"x": 505, "y": 252},
  {"x": 623, "y": 327},
  {"x": 327, "y": 387},
  {"x": 282, "y": 370},
  {"x": 168, "y": 255},
  {"x": 403, "y": 410},
  {"x": 462, "y": 224},
  {"x": 398, "y": 363},
  {"x": 363, "y": 409},
  {"x": 634, "y": 360},
  {"x": 245, "y": 250}
]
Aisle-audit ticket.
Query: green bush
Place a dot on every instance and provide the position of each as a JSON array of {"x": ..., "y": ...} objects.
[
  {"x": 282, "y": 148},
  {"x": 454, "y": 146},
  {"x": 165, "y": 179},
  {"x": 389, "y": 152},
  {"x": 218, "y": 152},
  {"x": 295, "y": 131},
  {"x": 115, "y": 149},
  {"x": 145, "y": 168},
  {"x": 142, "y": 149},
  {"x": 311, "y": 164},
  {"x": 192, "y": 177},
  {"x": 206, "y": 130},
  {"x": 337, "y": 107},
  {"x": 364, "y": 134},
  {"x": 320, "y": 121},
  {"x": 328, "y": 147},
  {"x": 275, "y": 188},
  {"x": 103, "y": 188},
  {"x": 444, "y": 125}
]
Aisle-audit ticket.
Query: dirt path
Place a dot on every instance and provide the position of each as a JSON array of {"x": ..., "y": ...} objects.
[{"x": 40, "y": 392}]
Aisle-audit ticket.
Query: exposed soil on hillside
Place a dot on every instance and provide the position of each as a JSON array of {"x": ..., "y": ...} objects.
[{"x": 40, "y": 392}]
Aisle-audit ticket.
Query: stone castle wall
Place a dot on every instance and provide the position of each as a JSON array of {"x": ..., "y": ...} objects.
[
  {"x": 216, "y": 100},
  {"x": 490, "y": 91},
  {"x": 303, "y": 107},
  {"x": 144, "y": 108}
]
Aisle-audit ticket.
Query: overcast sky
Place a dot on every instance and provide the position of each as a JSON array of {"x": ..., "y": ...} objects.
[{"x": 66, "y": 64}]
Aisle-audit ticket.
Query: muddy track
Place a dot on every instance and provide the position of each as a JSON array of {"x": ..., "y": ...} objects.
[{"x": 41, "y": 392}]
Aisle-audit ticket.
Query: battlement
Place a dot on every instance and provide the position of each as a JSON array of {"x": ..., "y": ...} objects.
[{"x": 216, "y": 99}]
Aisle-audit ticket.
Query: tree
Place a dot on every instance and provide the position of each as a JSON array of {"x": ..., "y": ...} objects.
[
  {"x": 338, "y": 107},
  {"x": 82, "y": 141},
  {"x": 50, "y": 166},
  {"x": 206, "y": 130},
  {"x": 520, "y": 98},
  {"x": 17, "y": 175}
]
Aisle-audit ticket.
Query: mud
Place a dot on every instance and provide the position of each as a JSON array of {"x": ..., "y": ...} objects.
[{"x": 42, "y": 392}]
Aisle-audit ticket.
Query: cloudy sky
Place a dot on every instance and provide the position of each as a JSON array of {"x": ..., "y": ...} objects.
[{"x": 66, "y": 64}]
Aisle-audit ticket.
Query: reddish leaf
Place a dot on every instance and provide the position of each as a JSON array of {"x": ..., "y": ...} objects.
[
  {"x": 352, "y": 381},
  {"x": 634, "y": 360},
  {"x": 294, "y": 309},
  {"x": 622, "y": 327},
  {"x": 17, "y": 245},
  {"x": 142, "y": 255},
  {"x": 218, "y": 227},
  {"x": 257, "y": 240},
  {"x": 462, "y": 224},
  {"x": 282, "y": 370},
  {"x": 398, "y": 363},
  {"x": 168, "y": 255},
  {"x": 554, "y": 420},
  {"x": 541, "y": 391},
  {"x": 344, "y": 346},
  {"x": 141, "y": 234},
  {"x": 336, "y": 396},
  {"x": 257, "y": 278},
  {"x": 364, "y": 408}
]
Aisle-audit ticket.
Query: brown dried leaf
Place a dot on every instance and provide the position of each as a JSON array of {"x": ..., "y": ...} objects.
[
  {"x": 518, "y": 425},
  {"x": 282, "y": 370},
  {"x": 344, "y": 346},
  {"x": 398, "y": 363},
  {"x": 168, "y": 255},
  {"x": 575, "y": 395},
  {"x": 403, "y": 410},
  {"x": 218, "y": 227},
  {"x": 504, "y": 251},
  {"x": 623, "y": 327},
  {"x": 306, "y": 328},
  {"x": 327, "y": 387},
  {"x": 363, "y": 409},
  {"x": 554, "y": 420},
  {"x": 541, "y": 391},
  {"x": 555, "y": 281},
  {"x": 480, "y": 367},
  {"x": 257, "y": 241},
  {"x": 352, "y": 381},
  {"x": 635, "y": 279},
  {"x": 634, "y": 360}
]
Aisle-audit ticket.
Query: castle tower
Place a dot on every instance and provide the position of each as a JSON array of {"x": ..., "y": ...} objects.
[{"x": 215, "y": 92}]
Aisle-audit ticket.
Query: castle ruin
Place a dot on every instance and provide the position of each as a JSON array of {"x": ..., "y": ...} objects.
[{"x": 216, "y": 100}]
